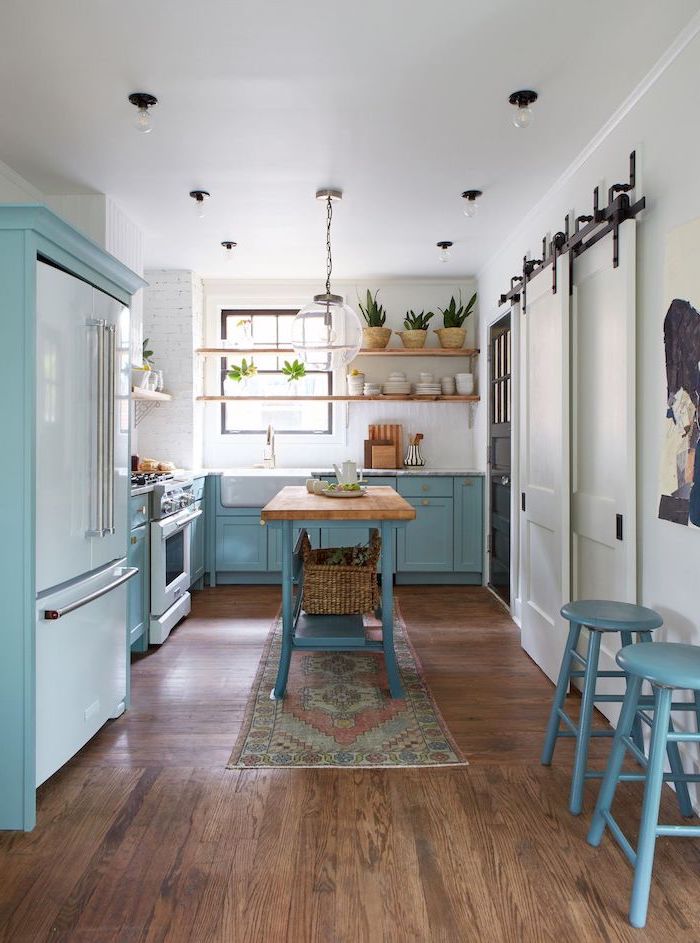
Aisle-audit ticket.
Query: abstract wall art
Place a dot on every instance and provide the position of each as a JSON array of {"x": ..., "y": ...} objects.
[{"x": 679, "y": 478}]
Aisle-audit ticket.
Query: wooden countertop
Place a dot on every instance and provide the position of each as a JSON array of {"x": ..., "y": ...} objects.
[{"x": 294, "y": 503}]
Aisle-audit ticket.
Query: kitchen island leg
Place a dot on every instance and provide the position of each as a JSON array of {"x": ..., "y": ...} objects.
[
  {"x": 392, "y": 668},
  {"x": 287, "y": 611}
]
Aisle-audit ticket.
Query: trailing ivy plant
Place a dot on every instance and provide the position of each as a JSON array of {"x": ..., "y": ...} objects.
[
  {"x": 373, "y": 313},
  {"x": 294, "y": 370},
  {"x": 417, "y": 322},
  {"x": 454, "y": 315},
  {"x": 242, "y": 371}
]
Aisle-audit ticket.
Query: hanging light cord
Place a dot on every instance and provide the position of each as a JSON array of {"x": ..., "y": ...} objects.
[{"x": 329, "y": 257}]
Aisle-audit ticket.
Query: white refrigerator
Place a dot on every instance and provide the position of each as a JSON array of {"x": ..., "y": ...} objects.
[{"x": 82, "y": 490}]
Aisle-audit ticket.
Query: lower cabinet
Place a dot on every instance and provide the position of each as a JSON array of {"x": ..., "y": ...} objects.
[
  {"x": 139, "y": 595},
  {"x": 469, "y": 524},
  {"x": 241, "y": 544},
  {"x": 425, "y": 544},
  {"x": 197, "y": 544}
]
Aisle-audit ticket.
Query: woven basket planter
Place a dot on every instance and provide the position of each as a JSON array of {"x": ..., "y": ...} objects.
[
  {"x": 374, "y": 338},
  {"x": 451, "y": 336},
  {"x": 336, "y": 589},
  {"x": 413, "y": 339}
]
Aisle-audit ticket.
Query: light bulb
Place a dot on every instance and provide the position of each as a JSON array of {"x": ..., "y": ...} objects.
[
  {"x": 444, "y": 255},
  {"x": 470, "y": 208},
  {"x": 522, "y": 116},
  {"x": 143, "y": 120},
  {"x": 199, "y": 209}
]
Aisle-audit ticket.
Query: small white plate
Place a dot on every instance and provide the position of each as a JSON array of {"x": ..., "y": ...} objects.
[{"x": 345, "y": 494}]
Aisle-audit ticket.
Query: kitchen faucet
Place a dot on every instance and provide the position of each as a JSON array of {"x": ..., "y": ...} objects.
[{"x": 269, "y": 451}]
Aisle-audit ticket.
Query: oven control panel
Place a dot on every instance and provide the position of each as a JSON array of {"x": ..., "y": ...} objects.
[{"x": 171, "y": 497}]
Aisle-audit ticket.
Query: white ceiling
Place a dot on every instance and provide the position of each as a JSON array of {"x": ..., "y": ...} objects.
[{"x": 402, "y": 104}]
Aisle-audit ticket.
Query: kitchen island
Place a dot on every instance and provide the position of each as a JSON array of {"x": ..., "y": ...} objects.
[{"x": 294, "y": 509}]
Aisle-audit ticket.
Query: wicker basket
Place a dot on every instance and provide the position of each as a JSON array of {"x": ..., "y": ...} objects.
[
  {"x": 336, "y": 589},
  {"x": 451, "y": 336},
  {"x": 375, "y": 338},
  {"x": 413, "y": 339}
]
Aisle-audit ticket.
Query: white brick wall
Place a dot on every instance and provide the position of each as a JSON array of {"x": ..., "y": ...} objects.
[{"x": 172, "y": 320}]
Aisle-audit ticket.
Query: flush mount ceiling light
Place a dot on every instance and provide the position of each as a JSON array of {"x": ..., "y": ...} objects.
[
  {"x": 143, "y": 102},
  {"x": 521, "y": 101},
  {"x": 444, "y": 248},
  {"x": 470, "y": 198},
  {"x": 228, "y": 246},
  {"x": 327, "y": 334},
  {"x": 199, "y": 196}
]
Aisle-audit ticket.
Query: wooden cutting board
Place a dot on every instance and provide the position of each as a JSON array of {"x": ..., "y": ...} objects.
[{"x": 393, "y": 432}]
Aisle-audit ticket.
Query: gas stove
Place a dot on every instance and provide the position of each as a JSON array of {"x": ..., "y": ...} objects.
[{"x": 140, "y": 479}]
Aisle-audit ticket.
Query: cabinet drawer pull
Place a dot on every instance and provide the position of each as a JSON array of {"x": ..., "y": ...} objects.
[
  {"x": 142, "y": 510},
  {"x": 262, "y": 523},
  {"x": 425, "y": 487},
  {"x": 425, "y": 501},
  {"x": 134, "y": 540},
  {"x": 468, "y": 482}
]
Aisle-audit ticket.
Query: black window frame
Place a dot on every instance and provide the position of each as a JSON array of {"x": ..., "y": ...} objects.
[{"x": 242, "y": 314}]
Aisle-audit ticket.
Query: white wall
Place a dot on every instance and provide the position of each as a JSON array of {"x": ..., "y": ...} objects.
[
  {"x": 662, "y": 129},
  {"x": 448, "y": 436},
  {"x": 15, "y": 189}
]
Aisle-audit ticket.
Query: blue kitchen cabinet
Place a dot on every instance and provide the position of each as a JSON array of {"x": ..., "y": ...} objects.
[
  {"x": 274, "y": 545},
  {"x": 197, "y": 544},
  {"x": 425, "y": 545},
  {"x": 241, "y": 543},
  {"x": 469, "y": 524},
  {"x": 139, "y": 596}
]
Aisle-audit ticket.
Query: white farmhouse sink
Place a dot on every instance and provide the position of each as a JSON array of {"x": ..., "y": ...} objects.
[{"x": 254, "y": 487}]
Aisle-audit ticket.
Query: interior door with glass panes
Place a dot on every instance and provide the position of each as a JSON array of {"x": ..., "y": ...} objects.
[{"x": 500, "y": 385}]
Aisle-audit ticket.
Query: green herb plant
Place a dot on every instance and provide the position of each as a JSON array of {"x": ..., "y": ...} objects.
[
  {"x": 454, "y": 315},
  {"x": 294, "y": 370},
  {"x": 349, "y": 556},
  {"x": 373, "y": 313},
  {"x": 242, "y": 371},
  {"x": 417, "y": 322},
  {"x": 146, "y": 354}
]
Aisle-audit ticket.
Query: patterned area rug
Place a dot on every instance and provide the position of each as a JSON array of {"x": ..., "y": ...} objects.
[{"x": 337, "y": 712}]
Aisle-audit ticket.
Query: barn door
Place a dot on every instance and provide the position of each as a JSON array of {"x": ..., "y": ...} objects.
[{"x": 544, "y": 468}]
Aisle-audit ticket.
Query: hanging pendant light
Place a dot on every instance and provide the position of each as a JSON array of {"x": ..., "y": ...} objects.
[{"x": 327, "y": 334}]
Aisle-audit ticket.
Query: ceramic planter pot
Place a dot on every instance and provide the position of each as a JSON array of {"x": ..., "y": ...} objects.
[
  {"x": 413, "y": 338},
  {"x": 375, "y": 338},
  {"x": 451, "y": 336}
]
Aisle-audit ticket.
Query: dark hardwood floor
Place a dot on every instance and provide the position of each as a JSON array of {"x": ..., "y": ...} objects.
[{"x": 146, "y": 836}]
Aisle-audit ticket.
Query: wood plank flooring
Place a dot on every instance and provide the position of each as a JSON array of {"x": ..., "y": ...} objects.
[{"x": 145, "y": 836}]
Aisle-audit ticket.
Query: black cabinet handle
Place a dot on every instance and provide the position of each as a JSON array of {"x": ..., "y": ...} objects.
[
  {"x": 522, "y": 500},
  {"x": 618, "y": 526}
]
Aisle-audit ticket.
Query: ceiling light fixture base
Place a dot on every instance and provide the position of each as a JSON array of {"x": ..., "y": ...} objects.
[
  {"x": 445, "y": 244},
  {"x": 143, "y": 99},
  {"x": 472, "y": 195},
  {"x": 523, "y": 98},
  {"x": 229, "y": 244},
  {"x": 328, "y": 298},
  {"x": 331, "y": 193}
]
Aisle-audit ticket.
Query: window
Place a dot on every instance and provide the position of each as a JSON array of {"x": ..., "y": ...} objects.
[{"x": 268, "y": 332}]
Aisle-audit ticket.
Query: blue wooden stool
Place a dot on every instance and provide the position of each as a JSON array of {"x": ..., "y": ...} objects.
[
  {"x": 666, "y": 665},
  {"x": 598, "y": 616}
]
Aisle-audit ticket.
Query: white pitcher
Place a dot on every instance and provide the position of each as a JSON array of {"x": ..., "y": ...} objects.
[{"x": 347, "y": 473}]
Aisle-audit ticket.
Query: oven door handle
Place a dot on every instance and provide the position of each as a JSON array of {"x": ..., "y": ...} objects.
[{"x": 168, "y": 528}]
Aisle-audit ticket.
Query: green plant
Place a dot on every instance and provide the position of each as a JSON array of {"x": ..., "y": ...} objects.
[
  {"x": 417, "y": 322},
  {"x": 146, "y": 354},
  {"x": 348, "y": 556},
  {"x": 455, "y": 315},
  {"x": 242, "y": 371},
  {"x": 294, "y": 370},
  {"x": 373, "y": 313}
]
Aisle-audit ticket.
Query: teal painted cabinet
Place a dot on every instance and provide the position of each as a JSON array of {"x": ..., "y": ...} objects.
[
  {"x": 469, "y": 524},
  {"x": 139, "y": 589},
  {"x": 425, "y": 545},
  {"x": 197, "y": 544},
  {"x": 274, "y": 545},
  {"x": 241, "y": 543}
]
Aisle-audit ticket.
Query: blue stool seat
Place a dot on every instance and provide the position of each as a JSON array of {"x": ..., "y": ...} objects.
[
  {"x": 667, "y": 665},
  {"x": 609, "y": 616},
  {"x": 599, "y": 616}
]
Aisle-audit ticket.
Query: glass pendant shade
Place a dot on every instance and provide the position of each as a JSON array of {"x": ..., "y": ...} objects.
[{"x": 327, "y": 334}]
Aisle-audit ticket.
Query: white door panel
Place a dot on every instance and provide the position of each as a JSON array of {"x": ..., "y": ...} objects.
[{"x": 544, "y": 468}]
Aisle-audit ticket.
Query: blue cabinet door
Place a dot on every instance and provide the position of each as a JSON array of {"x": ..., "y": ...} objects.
[
  {"x": 139, "y": 597},
  {"x": 241, "y": 544},
  {"x": 425, "y": 545},
  {"x": 197, "y": 544},
  {"x": 469, "y": 524}
]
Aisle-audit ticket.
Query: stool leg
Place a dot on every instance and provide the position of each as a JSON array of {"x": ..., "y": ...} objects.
[
  {"x": 676, "y": 764},
  {"x": 617, "y": 755},
  {"x": 650, "y": 809},
  {"x": 550, "y": 739},
  {"x": 696, "y": 697},
  {"x": 637, "y": 735},
  {"x": 584, "y": 723}
]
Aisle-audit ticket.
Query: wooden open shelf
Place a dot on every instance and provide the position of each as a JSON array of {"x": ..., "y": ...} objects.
[
  {"x": 150, "y": 396},
  {"x": 340, "y": 399},
  {"x": 383, "y": 352}
]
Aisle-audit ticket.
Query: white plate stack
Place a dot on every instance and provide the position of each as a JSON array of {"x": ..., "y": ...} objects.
[
  {"x": 372, "y": 389},
  {"x": 464, "y": 383},
  {"x": 427, "y": 385},
  {"x": 397, "y": 384}
]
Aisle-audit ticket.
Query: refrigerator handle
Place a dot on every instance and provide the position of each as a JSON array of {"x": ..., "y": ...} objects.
[
  {"x": 97, "y": 528},
  {"x": 51, "y": 615},
  {"x": 108, "y": 463}
]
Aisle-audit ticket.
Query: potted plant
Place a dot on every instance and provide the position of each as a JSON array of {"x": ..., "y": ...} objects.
[
  {"x": 375, "y": 335},
  {"x": 416, "y": 328},
  {"x": 453, "y": 317},
  {"x": 242, "y": 372},
  {"x": 294, "y": 371},
  {"x": 141, "y": 375}
]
